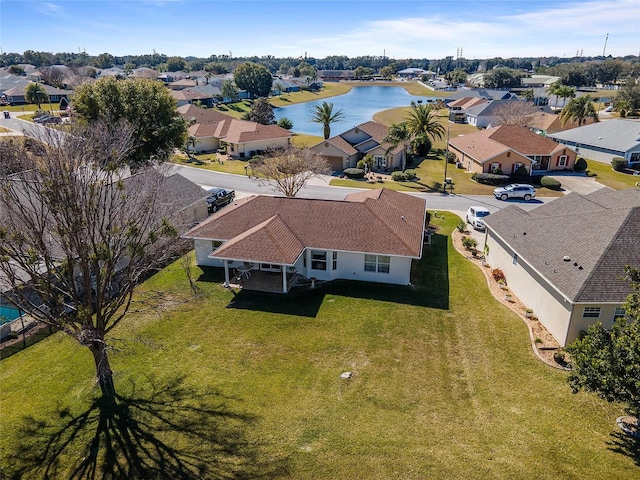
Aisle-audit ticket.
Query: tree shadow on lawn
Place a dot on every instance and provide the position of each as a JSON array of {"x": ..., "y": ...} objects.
[
  {"x": 626, "y": 445},
  {"x": 173, "y": 432}
]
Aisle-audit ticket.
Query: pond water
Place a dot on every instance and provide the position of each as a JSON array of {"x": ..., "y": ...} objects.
[{"x": 358, "y": 106}]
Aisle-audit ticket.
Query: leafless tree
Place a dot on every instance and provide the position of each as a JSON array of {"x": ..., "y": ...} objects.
[
  {"x": 52, "y": 75},
  {"x": 77, "y": 233},
  {"x": 287, "y": 170},
  {"x": 515, "y": 112}
]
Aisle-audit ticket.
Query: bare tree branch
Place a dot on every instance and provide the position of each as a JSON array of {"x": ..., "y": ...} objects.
[{"x": 287, "y": 170}]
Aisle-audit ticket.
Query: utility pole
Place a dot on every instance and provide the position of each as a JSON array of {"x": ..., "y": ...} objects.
[{"x": 605, "y": 44}]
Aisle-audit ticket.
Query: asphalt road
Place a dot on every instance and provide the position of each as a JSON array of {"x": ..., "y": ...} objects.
[{"x": 319, "y": 189}]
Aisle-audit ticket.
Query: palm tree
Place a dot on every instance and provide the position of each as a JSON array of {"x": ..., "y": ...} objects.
[
  {"x": 325, "y": 115},
  {"x": 553, "y": 90},
  {"x": 578, "y": 110},
  {"x": 424, "y": 126},
  {"x": 564, "y": 92},
  {"x": 397, "y": 134},
  {"x": 35, "y": 93}
]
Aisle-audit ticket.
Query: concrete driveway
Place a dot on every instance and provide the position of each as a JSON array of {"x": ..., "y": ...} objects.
[{"x": 579, "y": 184}]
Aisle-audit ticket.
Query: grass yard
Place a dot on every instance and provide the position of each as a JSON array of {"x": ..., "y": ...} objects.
[
  {"x": 609, "y": 177},
  {"x": 444, "y": 385}
]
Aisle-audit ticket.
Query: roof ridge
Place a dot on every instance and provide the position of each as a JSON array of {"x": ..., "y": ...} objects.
[{"x": 603, "y": 255}]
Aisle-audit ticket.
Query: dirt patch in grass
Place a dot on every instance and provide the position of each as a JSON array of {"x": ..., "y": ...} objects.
[{"x": 543, "y": 343}]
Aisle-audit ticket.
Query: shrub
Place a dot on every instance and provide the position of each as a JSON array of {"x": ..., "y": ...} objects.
[
  {"x": 559, "y": 357},
  {"x": 360, "y": 164},
  {"x": 490, "y": 178},
  {"x": 619, "y": 164},
  {"x": 411, "y": 174},
  {"x": 399, "y": 177},
  {"x": 461, "y": 227},
  {"x": 450, "y": 157},
  {"x": 354, "y": 172},
  {"x": 498, "y": 275},
  {"x": 580, "y": 165},
  {"x": 550, "y": 183},
  {"x": 496, "y": 171},
  {"x": 521, "y": 171},
  {"x": 469, "y": 242}
]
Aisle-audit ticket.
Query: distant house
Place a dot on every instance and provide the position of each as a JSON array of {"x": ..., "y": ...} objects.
[
  {"x": 458, "y": 108},
  {"x": 603, "y": 141},
  {"x": 480, "y": 93},
  {"x": 566, "y": 259},
  {"x": 205, "y": 94},
  {"x": 545, "y": 123},
  {"x": 507, "y": 148},
  {"x": 16, "y": 95},
  {"x": 371, "y": 236},
  {"x": 413, "y": 72},
  {"x": 336, "y": 75},
  {"x": 487, "y": 114},
  {"x": 239, "y": 138},
  {"x": 344, "y": 150}
]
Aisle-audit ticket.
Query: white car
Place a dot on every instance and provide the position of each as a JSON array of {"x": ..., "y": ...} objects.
[
  {"x": 515, "y": 190},
  {"x": 475, "y": 216}
]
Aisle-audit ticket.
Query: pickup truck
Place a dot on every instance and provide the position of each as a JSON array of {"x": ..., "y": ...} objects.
[{"x": 218, "y": 198}]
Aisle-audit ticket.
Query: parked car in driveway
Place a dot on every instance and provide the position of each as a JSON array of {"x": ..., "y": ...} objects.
[
  {"x": 475, "y": 215},
  {"x": 218, "y": 198},
  {"x": 515, "y": 190}
]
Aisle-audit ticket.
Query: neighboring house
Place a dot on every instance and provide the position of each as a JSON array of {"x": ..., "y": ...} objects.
[
  {"x": 16, "y": 95},
  {"x": 111, "y": 72},
  {"x": 603, "y": 141},
  {"x": 545, "y": 123},
  {"x": 413, "y": 72},
  {"x": 191, "y": 95},
  {"x": 480, "y": 93},
  {"x": 538, "y": 81},
  {"x": 371, "y": 236},
  {"x": 344, "y": 150},
  {"x": 566, "y": 259},
  {"x": 183, "y": 83},
  {"x": 336, "y": 75},
  {"x": 458, "y": 108},
  {"x": 240, "y": 138},
  {"x": 487, "y": 114},
  {"x": 507, "y": 147}
]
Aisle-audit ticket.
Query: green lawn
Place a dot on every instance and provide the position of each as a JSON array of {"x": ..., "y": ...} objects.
[
  {"x": 444, "y": 385},
  {"x": 609, "y": 177}
]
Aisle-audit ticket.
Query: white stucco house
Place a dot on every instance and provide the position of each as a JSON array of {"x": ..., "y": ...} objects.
[
  {"x": 566, "y": 258},
  {"x": 371, "y": 236}
]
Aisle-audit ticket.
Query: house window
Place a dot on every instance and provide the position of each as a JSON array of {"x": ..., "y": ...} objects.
[
  {"x": 380, "y": 160},
  {"x": 334, "y": 263},
  {"x": 634, "y": 157},
  {"x": 515, "y": 259},
  {"x": 494, "y": 167},
  {"x": 591, "y": 312},
  {"x": 318, "y": 260},
  {"x": 619, "y": 313},
  {"x": 377, "y": 263},
  {"x": 562, "y": 161}
]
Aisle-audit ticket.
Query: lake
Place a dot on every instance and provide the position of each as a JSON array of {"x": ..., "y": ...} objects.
[{"x": 358, "y": 106}]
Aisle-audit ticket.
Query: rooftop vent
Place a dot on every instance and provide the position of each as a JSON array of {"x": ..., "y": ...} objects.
[{"x": 567, "y": 258}]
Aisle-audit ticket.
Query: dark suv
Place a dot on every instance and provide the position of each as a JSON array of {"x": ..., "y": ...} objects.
[{"x": 218, "y": 198}]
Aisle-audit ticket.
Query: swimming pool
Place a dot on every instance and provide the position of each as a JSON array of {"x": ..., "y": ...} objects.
[{"x": 8, "y": 314}]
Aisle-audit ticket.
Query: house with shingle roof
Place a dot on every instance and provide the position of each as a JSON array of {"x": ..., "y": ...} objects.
[
  {"x": 603, "y": 141},
  {"x": 566, "y": 258},
  {"x": 507, "y": 148},
  {"x": 240, "y": 138},
  {"x": 370, "y": 236},
  {"x": 345, "y": 150}
]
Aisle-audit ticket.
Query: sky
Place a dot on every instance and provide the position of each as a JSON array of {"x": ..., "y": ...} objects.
[{"x": 295, "y": 28}]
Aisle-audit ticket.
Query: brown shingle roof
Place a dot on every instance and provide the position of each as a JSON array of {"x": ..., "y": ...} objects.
[{"x": 274, "y": 229}]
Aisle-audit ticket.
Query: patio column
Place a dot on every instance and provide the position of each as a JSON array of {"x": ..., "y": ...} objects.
[
  {"x": 226, "y": 272},
  {"x": 284, "y": 279}
]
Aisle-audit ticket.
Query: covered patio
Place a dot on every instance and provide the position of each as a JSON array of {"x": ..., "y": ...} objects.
[{"x": 261, "y": 281}]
